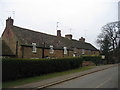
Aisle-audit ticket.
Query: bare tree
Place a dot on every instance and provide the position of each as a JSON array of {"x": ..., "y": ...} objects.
[{"x": 109, "y": 38}]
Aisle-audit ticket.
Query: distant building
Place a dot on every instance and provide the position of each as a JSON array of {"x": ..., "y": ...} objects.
[{"x": 25, "y": 43}]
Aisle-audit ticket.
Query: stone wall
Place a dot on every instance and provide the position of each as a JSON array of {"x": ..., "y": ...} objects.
[
  {"x": 10, "y": 39},
  {"x": 26, "y": 52}
]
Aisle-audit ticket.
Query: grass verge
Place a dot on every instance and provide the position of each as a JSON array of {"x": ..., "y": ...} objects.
[{"x": 23, "y": 81}]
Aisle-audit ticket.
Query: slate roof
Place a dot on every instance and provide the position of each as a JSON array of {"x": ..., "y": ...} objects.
[{"x": 26, "y": 37}]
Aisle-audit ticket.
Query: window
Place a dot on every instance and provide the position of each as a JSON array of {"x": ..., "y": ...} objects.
[
  {"x": 75, "y": 50},
  {"x": 83, "y": 51},
  {"x": 51, "y": 49},
  {"x": 74, "y": 55},
  {"x": 89, "y": 52},
  {"x": 65, "y": 50},
  {"x": 34, "y": 49}
]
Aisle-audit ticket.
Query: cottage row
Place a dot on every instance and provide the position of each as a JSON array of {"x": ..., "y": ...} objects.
[{"x": 24, "y": 43}]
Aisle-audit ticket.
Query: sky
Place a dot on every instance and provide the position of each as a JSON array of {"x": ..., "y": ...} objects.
[
  {"x": 81, "y": 18},
  {"x": 119, "y": 11}
]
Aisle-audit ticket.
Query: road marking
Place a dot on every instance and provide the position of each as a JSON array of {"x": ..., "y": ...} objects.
[{"x": 103, "y": 83}]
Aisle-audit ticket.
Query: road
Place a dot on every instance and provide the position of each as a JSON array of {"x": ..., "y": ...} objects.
[{"x": 103, "y": 79}]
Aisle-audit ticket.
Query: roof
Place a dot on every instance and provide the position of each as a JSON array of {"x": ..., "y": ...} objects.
[{"x": 26, "y": 37}]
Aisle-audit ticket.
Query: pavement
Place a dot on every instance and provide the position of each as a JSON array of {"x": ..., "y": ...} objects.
[{"x": 59, "y": 79}]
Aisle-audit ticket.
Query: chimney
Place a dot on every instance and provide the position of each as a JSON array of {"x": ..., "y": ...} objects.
[
  {"x": 69, "y": 36},
  {"x": 82, "y": 39},
  {"x": 9, "y": 22},
  {"x": 59, "y": 33}
]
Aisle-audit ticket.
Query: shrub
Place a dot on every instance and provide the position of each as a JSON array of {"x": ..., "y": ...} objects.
[
  {"x": 13, "y": 69},
  {"x": 94, "y": 59},
  {"x": 21, "y": 68}
]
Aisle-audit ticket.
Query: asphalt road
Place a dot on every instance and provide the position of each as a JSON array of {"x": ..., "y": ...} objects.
[{"x": 103, "y": 79}]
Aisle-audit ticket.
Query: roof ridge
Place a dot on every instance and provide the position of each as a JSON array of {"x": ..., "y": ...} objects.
[
  {"x": 44, "y": 33},
  {"x": 33, "y": 30}
]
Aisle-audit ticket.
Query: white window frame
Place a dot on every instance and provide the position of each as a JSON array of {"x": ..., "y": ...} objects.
[
  {"x": 75, "y": 50},
  {"x": 34, "y": 49},
  {"x": 83, "y": 51},
  {"x": 74, "y": 55},
  {"x": 65, "y": 50},
  {"x": 51, "y": 49}
]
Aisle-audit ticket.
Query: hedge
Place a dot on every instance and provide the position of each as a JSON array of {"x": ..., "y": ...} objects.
[
  {"x": 95, "y": 59},
  {"x": 13, "y": 69}
]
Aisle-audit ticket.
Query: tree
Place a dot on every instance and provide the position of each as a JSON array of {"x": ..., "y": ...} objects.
[
  {"x": 109, "y": 40},
  {"x": 105, "y": 47}
]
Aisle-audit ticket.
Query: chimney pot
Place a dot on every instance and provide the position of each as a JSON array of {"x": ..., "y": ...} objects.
[
  {"x": 9, "y": 22},
  {"x": 59, "y": 33},
  {"x": 82, "y": 39},
  {"x": 69, "y": 36}
]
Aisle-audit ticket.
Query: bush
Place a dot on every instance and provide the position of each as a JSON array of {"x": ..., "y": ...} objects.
[
  {"x": 13, "y": 69},
  {"x": 94, "y": 59}
]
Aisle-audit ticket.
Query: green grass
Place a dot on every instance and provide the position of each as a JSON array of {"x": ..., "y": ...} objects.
[{"x": 43, "y": 77}]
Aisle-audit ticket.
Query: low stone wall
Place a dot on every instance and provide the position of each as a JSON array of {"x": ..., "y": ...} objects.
[{"x": 87, "y": 63}]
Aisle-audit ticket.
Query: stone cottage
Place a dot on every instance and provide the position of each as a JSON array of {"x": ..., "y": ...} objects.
[{"x": 25, "y": 43}]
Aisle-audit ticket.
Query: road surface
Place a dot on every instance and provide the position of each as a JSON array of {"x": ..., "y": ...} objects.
[{"x": 103, "y": 79}]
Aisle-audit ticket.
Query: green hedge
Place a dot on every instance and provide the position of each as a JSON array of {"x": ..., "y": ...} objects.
[
  {"x": 13, "y": 69},
  {"x": 95, "y": 59}
]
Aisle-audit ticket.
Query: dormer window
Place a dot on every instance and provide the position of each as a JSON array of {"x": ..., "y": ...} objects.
[
  {"x": 51, "y": 49},
  {"x": 65, "y": 50},
  {"x": 34, "y": 49}
]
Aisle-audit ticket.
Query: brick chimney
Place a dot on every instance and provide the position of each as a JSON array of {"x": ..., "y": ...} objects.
[
  {"x": 59, "y": 33},
  {"x": 82, "y": 39},
  {"x": 69, "y": 36},
  {"x": 9, "y": 22}
]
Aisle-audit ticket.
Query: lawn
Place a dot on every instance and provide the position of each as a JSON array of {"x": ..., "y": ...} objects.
[{"x": 43, "y": 77}]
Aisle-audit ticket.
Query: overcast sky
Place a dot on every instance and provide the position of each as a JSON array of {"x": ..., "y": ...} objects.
[{"x": 81, "y": 18}]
